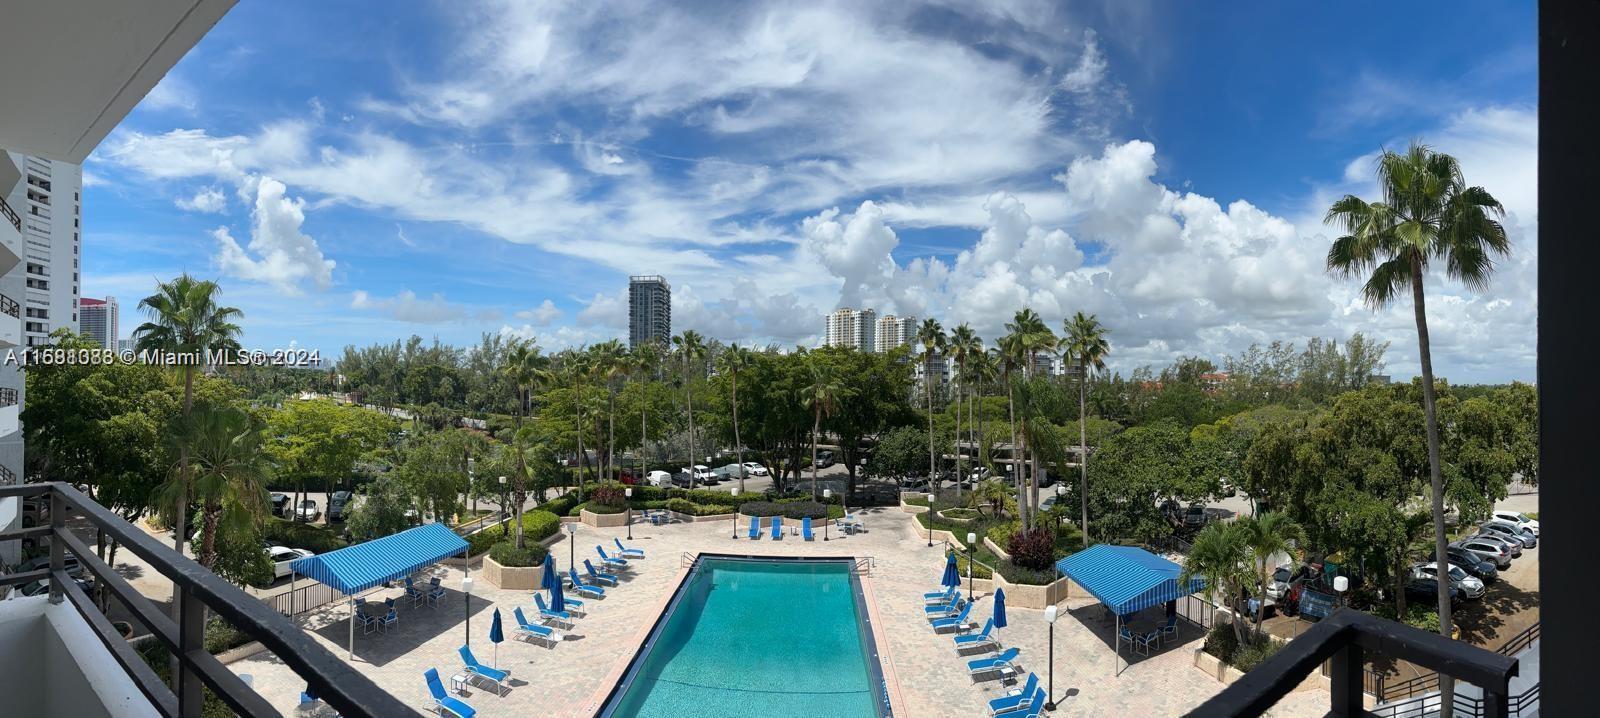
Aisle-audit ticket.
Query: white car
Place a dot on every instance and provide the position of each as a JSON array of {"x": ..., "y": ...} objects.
[
  {"x": 1470, "y": 586},
  {"x": 308, "y": 511},
  {"x": 1278, "y": 586},
  {"x": 282, "y": 556},
  {"x": 1519, "y": 518},
  {"x": 754, "y": 469}
]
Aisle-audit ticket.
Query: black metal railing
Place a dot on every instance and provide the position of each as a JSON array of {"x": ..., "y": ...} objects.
[
  {"x": 1522, "y": 704},
  {"x": 10, "y": 306},
  {"x": 1521, "y": 641},
  {"x": 338, "y": 683},
  {"x": 1198, "y": 611},
  {"x": 1344, "y": 638},
  {"x": 8, "y": 396},
  {"x": 1385, "y": 690},
  {"x": 10, "y": 214},
  {"x": 300, "y": 600}
]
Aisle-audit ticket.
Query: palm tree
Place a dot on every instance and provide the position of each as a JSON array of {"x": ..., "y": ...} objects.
[
  {"x": 526, "y": 369},
  {"x": 609, "y": 367},
  {"x": 186, "y": 320},
  {"x": 1428, "y": 212},
  {"x": 1221, "y": 555},
  {"x": 691, "y": 349},
  {"x": 964, "y": 344},
  {"x": 1009, "y": 356},
  {"x": 1268, "y": 535},
  {"x": 1033, "y": 336},
  {"x": 931, "y": 336},
  {"x": 732, "y": 361},
  {"x": 822, "y": 397},
  {"x": 228, "y": 471},
  {"x": 644, "y": 360},
  {"x": 1086, "y": 345},
  {"x": 981, "y": 366}
]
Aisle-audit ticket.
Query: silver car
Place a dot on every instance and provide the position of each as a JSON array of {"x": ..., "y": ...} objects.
[
  {"x": 1511, "y": 531},
  {"x": 1469, "y": 586},
  {"x": 1510, "y": 543},
  {"x": 1492, "y": 551}
]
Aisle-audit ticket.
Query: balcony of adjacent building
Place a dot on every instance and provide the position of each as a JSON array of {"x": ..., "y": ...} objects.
[
  {"x": 10, "y": 411},
  {"x": 61, "y": 655},
  {"x": 10, "y": 235}
]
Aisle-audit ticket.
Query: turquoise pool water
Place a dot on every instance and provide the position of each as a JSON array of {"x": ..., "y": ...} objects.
[{"x": 758, "y": 638}]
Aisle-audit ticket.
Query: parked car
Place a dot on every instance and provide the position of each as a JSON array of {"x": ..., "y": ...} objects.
[
  {"x": 824, "y": 459},
  {"x": 1196, "y": 515},
  {"x": 308, "y": 510},
  {"x": 1511, "y": 530},
  {"x": 980, "y": 473},
  {"x": 704, "y": 475},
  {"x": 1472, "y": 563},
  {"x": 1495, "y": 552},
  {"x": 282, "y": 556},
  {"x": 658, "y": 478},
  {"x": 280, "y": 504},
  {"x": 629, "y": 477},
  {"x": 69, "y": 563},
  {"x": 754, "y": 469},
  {"x": 1278, "y": 587},
  {"x": 339, "y": 505},
  {"x": 1519, "y": 518},
  {"x": 1471, "y": 588},
  {"x": 1426, "y": 590},
  {"x": 42, "y": 586},
  {"x": 1514, "y": 545}
]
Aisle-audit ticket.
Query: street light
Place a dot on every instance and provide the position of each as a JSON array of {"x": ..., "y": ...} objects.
[
  {"x": 933, "y": 513},
  {"x": 735, "y": 493},
  {"x": 572, "y": 543},
  {"x": 628, "y": 492},
  {"x": 1050, "y": 691},
  {"x": 1340, "y": 585},
  {"x": 466, "y": 590},
  {"x": 471, "y": 462},
  {"x": 826, "y": 494},
  {"x": 503, "y": 512},
  {"x": 972, "y": 548}
]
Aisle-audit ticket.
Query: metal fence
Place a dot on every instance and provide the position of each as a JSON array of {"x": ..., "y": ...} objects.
[
  {"x": 1426, "y": 684},
  {"x": 1198, "y": 611},
  {"x": 303, "y": 599}
]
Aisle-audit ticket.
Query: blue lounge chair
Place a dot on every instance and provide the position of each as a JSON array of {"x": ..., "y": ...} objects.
[
  {"x": 389, "y": 619},
  {"x": 995, "y": 663},
  {"x": 474, "y": 668},
  {"x": 413, "y": 593},
  {"x": 944, "y": 610},
  {"x": 442, "y": 701},
  {"x": 939, "y": 596},
  {"x": 534, "y": 631},
  {"x": 755, "y": 527},
  {"x": 628, "y": 552},
  {"x": 1016, "y": 701},
  {"x": 981, "y": 639},
  {"x": 655, "y": 518},
  {"x": 805, "y": 528},
  {"x": 777, "y": 527},
  {"x": 602, "y": 576},
  {"x": 958, "y": 621},
  {"x": 611, "y": 561},
  {"x": 1034, "y": 706},
  {"x": 561, "y": 617},
  {"x": 574, "y": 606},
  {"x": 584, "y": 588}
]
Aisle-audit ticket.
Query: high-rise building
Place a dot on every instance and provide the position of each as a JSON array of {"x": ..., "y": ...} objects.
[
  {"x": 48, "y": 201},
  {"x": 852, "y": 328},
  {"x": 649, "y": 310},
  {"x": 97, "y": 319},
  {"x": 894, "y": 331}
]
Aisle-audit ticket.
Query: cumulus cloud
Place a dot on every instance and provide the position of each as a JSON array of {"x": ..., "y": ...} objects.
[
  {"x": 279, "y": 253},
  {"x": 543, "y": 315},
  {"x": 209, "y": 200},
  {"x": 406, "y": 306}
]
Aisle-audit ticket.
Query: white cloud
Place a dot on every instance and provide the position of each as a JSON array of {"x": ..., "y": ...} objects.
[
  {"x": 171, "y": 93},
  {"x": 543, "y": 315},
  {"x": 406, "y": 306},
  {"x": 208, "y": 200},
  {"x": 283, "y": 255}
]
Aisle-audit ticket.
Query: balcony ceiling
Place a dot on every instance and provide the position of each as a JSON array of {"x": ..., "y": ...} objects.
[{"x": 75, "y": 68}]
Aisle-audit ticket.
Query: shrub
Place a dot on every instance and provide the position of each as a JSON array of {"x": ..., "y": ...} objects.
[
  {"x": 1221, "y": 642},
  {"x": 283, "y": 532},
  {"x": 506, "y": 553},
  {"x": 537, "y": 525},
  {"x": 222, "y": 636},
  {"x": 1033, "y": 549},
  {"x": 646, "y": 494},
  {"x": 1001, "y": 533},
  {"x": 685, "y": 506},
  {"x": 960, "y": 513},
  {"x": 611, "y": 495},
  {"x": 787, "y": 509},
  {"x": 595, "y": 508},
  {"x": 560, "y": 505},
  {"x": 1250, "y": 656},
  {"x": 1418, "y": 615}
]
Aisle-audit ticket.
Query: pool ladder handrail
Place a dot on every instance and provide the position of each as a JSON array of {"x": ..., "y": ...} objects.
[
  {"x": 863, "y": 565},
  {"x": 687, "y": 559}
]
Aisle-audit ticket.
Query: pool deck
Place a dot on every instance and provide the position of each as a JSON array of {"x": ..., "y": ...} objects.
[{"x": 924, "y": 672}]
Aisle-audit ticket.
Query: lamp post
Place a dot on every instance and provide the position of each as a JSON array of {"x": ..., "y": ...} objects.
[
  {"x": 466, "y": 602},
  {"x": 471, "y": 462},
  {"x": 504, "y": 510},
  {"x": 933, "y": 513},
  {"x": 1050, "y": 691},
  {"x": 972, "y": 548},
  {"x": 1340, "y": 585},
  {"x": 826, "y": 494},
  {"x": 735, "y": 493},
  {"x": 572, "y": 543},
  {"x": 628, "y": 492}
]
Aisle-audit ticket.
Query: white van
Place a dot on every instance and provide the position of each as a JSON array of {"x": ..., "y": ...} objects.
[{"x": 658, "y": 478}]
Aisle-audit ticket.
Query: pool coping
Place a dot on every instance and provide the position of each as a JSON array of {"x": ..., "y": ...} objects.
[{"x": 595, "y": 706}]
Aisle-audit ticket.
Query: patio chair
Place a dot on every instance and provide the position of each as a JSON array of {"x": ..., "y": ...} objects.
[
  {"x": 995, "y": 663},
  {"x": 443, "y": 701},
  {"x": 943, "y": 610},
  {"x": 611, "y": 561},
  {"x": 369, "y": 623},
  {"x": 435, "y": 592},
  {"x": 777, "y": 528},
  {"x": 535, "y": 632},
  {"x": 939, "y": 596},
  {"x": 628, "y": 552},
  {"x": 981, "y": 639},
  {"x": 474, "y": 668},
  {"x": 1034, "y": 707},
  {"x": 584, "y": 588},
  {"x": 560, "y": 617},
  {"x": 1141, "y": 642},
  {"x": 805, "y": 528},
  {"x": 755, "y": 527},
  {"x": 1170, "y": 628},
  {"x": 412, "y": 593},
  {"x": 958, "y": 621},
  {"x": 609, "y": 578},
  {"x": 389, "y": 619},
  {"x": 1017, "y": 701}
]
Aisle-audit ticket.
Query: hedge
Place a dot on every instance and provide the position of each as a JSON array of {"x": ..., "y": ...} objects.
[
  {"x": 293, "y": 534},
  {"x": 560, "y": 505},
  {"x": 685, "y": 506},
  {"x": 507, "y": 554},
  {"x": 537, "y": 525},
  {"x": 790, "y": 509},
  {"x": 595, "y": 508}
]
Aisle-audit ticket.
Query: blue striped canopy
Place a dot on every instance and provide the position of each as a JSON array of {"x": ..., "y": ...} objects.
[
  {"x": 360, "y": 567},
  {"x": 1125, "y": 578}
]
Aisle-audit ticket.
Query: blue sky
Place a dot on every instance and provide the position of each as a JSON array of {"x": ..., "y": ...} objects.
[{"x": 360, "y": 173}]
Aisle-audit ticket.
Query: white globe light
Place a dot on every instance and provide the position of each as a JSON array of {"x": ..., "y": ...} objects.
[{"x": 1340, "y": 583}]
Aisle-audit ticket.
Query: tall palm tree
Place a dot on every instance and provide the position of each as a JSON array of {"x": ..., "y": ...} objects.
[
  {"x": 228, "y": 471},
  {"x": 1428, "y": 213},
  {"x": 981, "y": 366},
  {"x": 1009, "y": 357},
  {"x": 185, "y": 319},
  {"x": 691, "y": 348},
  {"x": 526, "y": 369},
  {"x": 1087, "y": 347},
  {"x": 964, "y": 344},
  {"x": 822, "y": 396},
  {"x": 610, "y": 367},
  {"x": 733, "y": 360},
  {"x": 1033, "y": 337},
  {"x": 646, "y": 358},
  {"x": 931, "y": 336},
  {"x": 1268, "y": 535},
  {"x": 1221, "y": 555}
]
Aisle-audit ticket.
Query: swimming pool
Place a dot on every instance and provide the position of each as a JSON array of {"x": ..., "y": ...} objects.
[{"x": 768, "y": 637}]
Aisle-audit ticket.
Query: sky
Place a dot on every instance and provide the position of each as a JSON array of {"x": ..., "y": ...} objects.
[{"x": 357, "y": 173}]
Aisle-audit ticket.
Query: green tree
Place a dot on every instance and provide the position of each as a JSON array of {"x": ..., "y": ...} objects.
[
  {"x": 691, "y": 350},
  {"x": 1269, "y": 535},
  {"x": 433, "y": 471},
  {"x": 1428, "y": 213},
  {"x": 1086, "y": 346},
  {"x": 1221, "y": 555},
  {"x": 228, "y": 471},
  {"x": 822, "y": 396},
  {"x": 381, "y": 510},
  {"x": 931, "y": 336},
  {"x": 964, "y": 345},
  {"x": 732, "y": 361},
  {"x": 319, "y": 441}
]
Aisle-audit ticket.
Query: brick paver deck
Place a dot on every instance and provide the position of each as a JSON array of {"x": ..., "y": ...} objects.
[{"x": 932, "y": 678}]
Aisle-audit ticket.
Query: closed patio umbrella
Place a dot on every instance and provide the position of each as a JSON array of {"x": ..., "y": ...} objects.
[
  {"x": 558, "y": 602},
  {"x": 999, "y": 608},
  {"x": 951, "y": 577},
  {"x": 549, "y": 578},
  {"x": 496, "y": 636}
]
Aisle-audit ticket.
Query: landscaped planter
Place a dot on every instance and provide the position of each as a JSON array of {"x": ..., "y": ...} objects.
[
  {"x": 603, "y": 520},
  {"x": 995, "y": 549},
  {"x": 511, "y": 578},
  {"x": 956, "y": 519}
]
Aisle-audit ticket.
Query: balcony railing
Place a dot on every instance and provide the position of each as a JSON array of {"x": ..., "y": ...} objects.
[
  {"x": 9, "y": 306},
  {"x": 10, "y": 214},
  {"x": 337, "y": 683},
  {"x": 1344, "y": 637}
]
